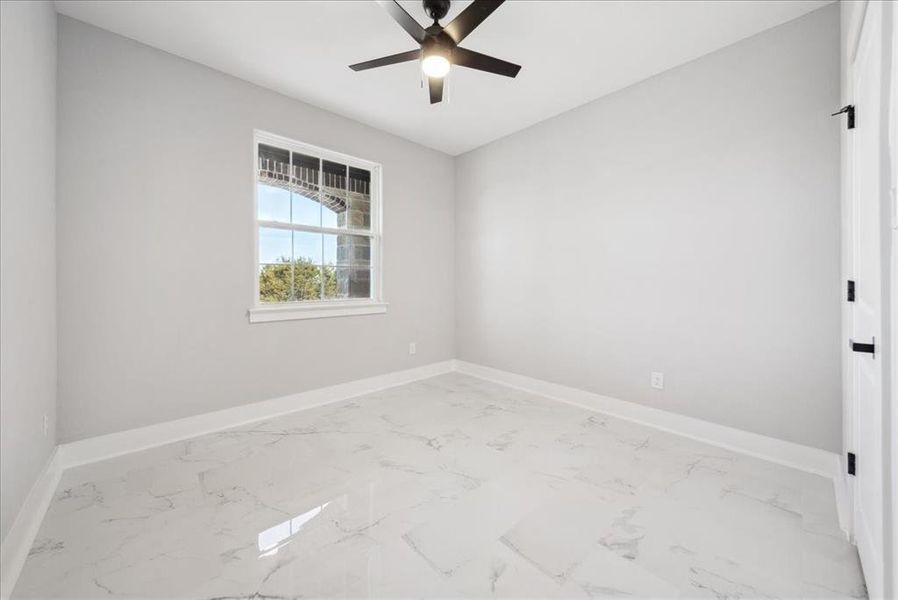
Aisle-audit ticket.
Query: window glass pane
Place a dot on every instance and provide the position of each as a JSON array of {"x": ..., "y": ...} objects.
[
  {"x": 274, "y": 166},
  {"x": 353, "y": 262},
  {"x": 307, "y": 281},
  {"x": 332, "y": 213},
  {"x": 359, "y": 212},
  {"x": 306, "y": 210},
  {"x": 306, "y": 172},
  {"x": 359, "y": 283},
  {"x": 331, "y": 289},
  {"x": 334, "y": 199},
  {"x": 360, "y": 261},
  {"x": 358, "y": 250},
  {"x": 274, "y": 282},
  {"x": 330, "y": 249},
  {"x": 307, "y": 247},
  {"x": 359, "y": 195},
  {"x": 274, "y": 245},
  {"x": 274, "y": 203}
]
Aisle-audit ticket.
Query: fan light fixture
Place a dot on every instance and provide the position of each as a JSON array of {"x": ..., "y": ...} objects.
[
  {"x": 439, "y": 46},
  {"x": 435, "y": 65}
]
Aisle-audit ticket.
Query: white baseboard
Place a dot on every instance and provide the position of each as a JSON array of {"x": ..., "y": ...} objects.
[
  {"x": 123, "y": 442},
  {"x": 20, "y": 537},
  {"x": 805, "y": 458}
]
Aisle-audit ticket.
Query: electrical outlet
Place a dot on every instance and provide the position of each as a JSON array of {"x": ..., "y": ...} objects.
[
  {"x": 658, "y": 380},
  {"x": 45, "y": 425},
  {"x": 412, "y": 348}
]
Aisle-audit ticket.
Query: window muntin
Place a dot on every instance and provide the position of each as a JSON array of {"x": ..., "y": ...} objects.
[{"x": 317, "y": 224}]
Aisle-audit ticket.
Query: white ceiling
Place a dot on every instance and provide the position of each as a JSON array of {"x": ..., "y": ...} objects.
[{"x": 571, "y": 52}]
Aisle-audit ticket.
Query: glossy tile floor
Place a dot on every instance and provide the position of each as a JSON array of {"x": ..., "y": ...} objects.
[{"x": 448, "y": 487}]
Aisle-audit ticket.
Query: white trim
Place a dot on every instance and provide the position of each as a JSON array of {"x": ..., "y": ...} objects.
[
  {"x": 805, "y": 458},
  {"x": 312, "y": 228},
  {"x": 314, "y": 310},
  {"x": 854, "y": 32},
  {"x": 17, "y": 543},
  {"x": 123, "y": 442}
]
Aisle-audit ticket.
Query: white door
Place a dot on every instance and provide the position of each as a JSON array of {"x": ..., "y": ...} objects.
[{"x": 867, "y": 309}]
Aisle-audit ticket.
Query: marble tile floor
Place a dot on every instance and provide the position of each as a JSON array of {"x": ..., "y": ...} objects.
[{"x": 447, "y": 487}]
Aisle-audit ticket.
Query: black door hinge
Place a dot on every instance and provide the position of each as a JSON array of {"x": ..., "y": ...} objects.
[
  {"x": 848, "y": 108},
  {"x": 850, "y": 291},
  {"x": 865, "y": 348},
  {"x": 851, "y": 463}
]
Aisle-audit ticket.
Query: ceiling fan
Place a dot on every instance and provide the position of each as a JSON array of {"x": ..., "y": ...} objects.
[{"x": 439, "y": 45}]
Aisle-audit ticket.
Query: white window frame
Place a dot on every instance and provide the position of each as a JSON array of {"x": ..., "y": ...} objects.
[{"x": 284, "y": 311}]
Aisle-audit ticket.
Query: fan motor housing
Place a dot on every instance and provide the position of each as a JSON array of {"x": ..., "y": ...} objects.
[{"x": 437, "y": 43}]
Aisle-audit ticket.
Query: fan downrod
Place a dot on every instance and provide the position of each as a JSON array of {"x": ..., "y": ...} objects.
[{"x": 436, "y": 9}]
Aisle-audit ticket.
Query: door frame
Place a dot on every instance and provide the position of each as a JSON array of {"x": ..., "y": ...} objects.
[{"x": 891, "y": 541}]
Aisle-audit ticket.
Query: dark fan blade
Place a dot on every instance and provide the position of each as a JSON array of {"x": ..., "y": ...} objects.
[
  {"x": 436, "y": 89},
  {"x": 387, "y": 60},
  {"x": 482, "y": 62},
  {"x": 405, "y": 20},
  {"x": 470, "y": 18}
]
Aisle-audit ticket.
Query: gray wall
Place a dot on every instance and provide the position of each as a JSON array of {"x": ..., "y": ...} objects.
[
  {"x": 156, "y": 243},
  {"x": 688, "y": 224},
  {"x": 27, "y": 248}
]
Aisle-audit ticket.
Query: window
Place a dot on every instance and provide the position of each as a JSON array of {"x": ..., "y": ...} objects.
[{"x": 317, "y": 232}]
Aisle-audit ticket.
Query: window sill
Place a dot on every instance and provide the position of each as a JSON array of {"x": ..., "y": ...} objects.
[{"x": 322, "y": 310}]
